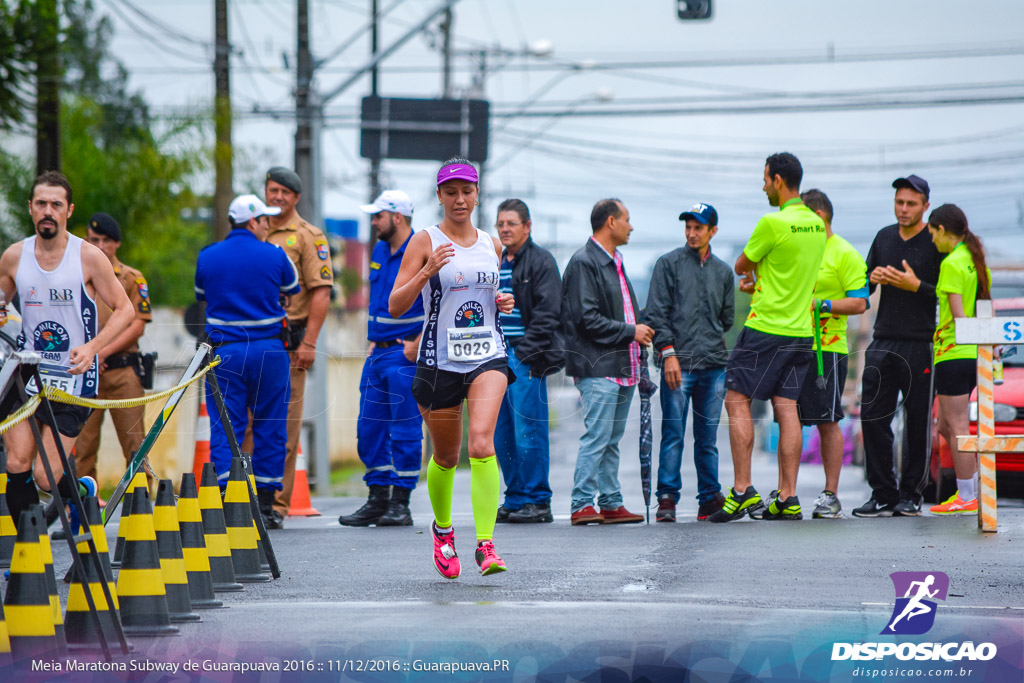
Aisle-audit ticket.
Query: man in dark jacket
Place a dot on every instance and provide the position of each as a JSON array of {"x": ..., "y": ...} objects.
[
  {"x": 690, "y": 307},
  {"x": 603, "y": 339},
  {"x": 536, "y": 349}
]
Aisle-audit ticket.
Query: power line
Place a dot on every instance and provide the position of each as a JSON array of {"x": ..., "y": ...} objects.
[
  {"x": 155, "y": 40},
  {"x": 165, "y": 28}
]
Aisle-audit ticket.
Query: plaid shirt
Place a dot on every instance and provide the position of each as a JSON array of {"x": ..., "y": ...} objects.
[{"x": 627, "y": 309}]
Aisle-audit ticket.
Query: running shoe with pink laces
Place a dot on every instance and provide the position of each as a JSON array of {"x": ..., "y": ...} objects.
[
  {"x": 446, "y": 561},
  {"x": 488, "y": 559}
]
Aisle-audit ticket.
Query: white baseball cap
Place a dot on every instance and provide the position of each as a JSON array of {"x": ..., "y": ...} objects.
[
  {"x": 390, "y": 200},
  {"x": 248, "y": 206}
]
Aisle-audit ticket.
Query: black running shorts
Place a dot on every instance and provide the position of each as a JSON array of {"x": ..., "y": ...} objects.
[
  {"x": 436, "y": 389},
  {"x": 956, "y": 377},
  {"x": 823, "y": 405},
  {"x": 763, "y": 365}
]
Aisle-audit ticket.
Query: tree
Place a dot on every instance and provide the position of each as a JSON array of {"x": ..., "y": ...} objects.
[{"x": 15, "y": 63}]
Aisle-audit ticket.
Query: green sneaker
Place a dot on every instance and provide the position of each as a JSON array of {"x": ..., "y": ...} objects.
[
  {"x": 759, "y": 512},
  {"x": 788, "y": 509},
  {"x": 737, "y": 505}
]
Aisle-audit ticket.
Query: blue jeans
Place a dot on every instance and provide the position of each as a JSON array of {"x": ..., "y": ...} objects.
[
  {"x": 521, "y": 438},
  {"x": 707, "y": 389},
  {"x": 605, "y": 408}
]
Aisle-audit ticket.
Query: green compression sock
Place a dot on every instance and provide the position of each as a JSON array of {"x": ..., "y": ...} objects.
[
  {"x": 440, "y": 483},
  {"x": 485, "y": 488}
]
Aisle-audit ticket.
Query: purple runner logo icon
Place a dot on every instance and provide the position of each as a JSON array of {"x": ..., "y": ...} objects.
[{"x": 914, "y": 612}]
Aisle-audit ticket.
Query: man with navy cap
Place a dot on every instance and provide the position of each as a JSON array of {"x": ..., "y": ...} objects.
[
  {"x": 389, "y": 432},
  {"x": 904, "y": 262},
  {"x": 120, "y": 360},
  {"x": 307, "y": 247},
  {"x": 242, "y": 280},
  {"x": 689, "y": 340}
]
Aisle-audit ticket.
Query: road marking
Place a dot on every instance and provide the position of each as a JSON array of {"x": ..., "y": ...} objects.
[{"x": 889, "y": 604}]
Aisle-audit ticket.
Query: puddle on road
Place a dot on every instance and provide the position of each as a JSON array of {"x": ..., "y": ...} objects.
[{"x": 635, "y": 587}]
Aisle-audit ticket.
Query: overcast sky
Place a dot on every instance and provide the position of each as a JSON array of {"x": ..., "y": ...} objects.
[{"x": 767, "y": 55}]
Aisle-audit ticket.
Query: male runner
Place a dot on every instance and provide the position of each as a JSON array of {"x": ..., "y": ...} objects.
[{"x": 57, "y": 278}]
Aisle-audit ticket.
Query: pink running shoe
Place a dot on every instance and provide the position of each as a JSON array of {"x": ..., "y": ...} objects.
[
  {"x": 488, "y": 559},
  {"x": 446, "y": 561}
]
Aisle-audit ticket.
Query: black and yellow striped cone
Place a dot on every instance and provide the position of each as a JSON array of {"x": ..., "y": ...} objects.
[
  {"x": 264, "y": 562},
  {"x": 8, "y": 533},
  {"x": 126, "y": 511},
  {"x": 193, "y": 546},
  {"x": 241, "y": 528},
  {"x": 222, "y": 570},
  {"x": 51, "y": 580},
  {"x": 78, "y": 622},
  {"x": 172, "y": 562},
  {"x": 27, "y": 602},
  {"x": 140, "y": 583},
  {"x": 5, "y": 641}
]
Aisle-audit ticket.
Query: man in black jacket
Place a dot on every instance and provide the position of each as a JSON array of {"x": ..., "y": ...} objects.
[
  {"x": 690, "y": 307},
  {"x": 905, "y": 262},
  {"x": 603, "y": 339},
  {"x": 533, "y": 336}
]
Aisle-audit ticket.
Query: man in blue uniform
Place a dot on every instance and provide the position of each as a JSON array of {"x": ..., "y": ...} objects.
[
  {"x": 389, "y": 431},
  {"x": 242, "y": 279}
]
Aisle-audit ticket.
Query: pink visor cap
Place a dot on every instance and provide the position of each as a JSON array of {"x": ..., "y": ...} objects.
[{"x": 457, "y": 172}]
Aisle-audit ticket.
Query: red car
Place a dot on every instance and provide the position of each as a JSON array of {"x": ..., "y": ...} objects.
[{"x": 1009, "y": 408}]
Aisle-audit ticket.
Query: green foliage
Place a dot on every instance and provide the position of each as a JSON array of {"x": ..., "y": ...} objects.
[{"x": 15, "y": 62}]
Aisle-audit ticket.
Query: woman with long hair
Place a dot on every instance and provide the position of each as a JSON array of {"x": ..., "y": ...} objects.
[
  {"x": 454, "y": 267},
  {"x": 963, "y": 279}
]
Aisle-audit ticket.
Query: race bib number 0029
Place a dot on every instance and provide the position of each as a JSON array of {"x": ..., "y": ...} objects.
[{"x": 468, "y": 344}]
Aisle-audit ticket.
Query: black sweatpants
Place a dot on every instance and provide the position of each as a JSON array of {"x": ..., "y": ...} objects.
[{"x": 893, "y": 367}]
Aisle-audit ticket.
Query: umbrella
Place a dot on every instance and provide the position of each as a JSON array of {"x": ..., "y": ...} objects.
[
  {"x": 820, "y": 382},
  {"x": 647, "y": 389}
]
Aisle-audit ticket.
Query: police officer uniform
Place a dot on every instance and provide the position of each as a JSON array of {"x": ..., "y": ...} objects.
[
  {"x": 307, "y": 247},
  {"x": 242, "y": 279},
  {"x": 119, "y": 379},
  {"x": 390, "y": 428}
]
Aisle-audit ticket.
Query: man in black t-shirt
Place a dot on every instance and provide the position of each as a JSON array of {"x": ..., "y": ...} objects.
[{"x": 905, "y": 263}]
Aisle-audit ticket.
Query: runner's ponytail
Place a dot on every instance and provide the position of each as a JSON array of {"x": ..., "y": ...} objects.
[{"x": 954, "y": 221}]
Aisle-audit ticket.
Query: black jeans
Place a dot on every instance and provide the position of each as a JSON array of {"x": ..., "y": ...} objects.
[{"x": 893, "y": 367}]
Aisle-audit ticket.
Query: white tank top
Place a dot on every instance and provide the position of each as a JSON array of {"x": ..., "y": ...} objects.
[
  {"x": 461, "y": 331},
  {"x": 57, "y": 315}
]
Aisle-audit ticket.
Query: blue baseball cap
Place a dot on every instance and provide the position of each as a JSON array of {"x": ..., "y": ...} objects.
[
  {"x": 915, "y": 183},
  {"x": 702, "y": 213}
]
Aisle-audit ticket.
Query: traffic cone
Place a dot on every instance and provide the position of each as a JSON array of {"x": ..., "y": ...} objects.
[
  {"x": 193, "y": 546},
  {"x": 78, "y": 622},
  {"x": 140, "y": 584},
  {"x": 260, "y": 550},
  {"x": 202, "y": 451},
  {"x": 222, "y": 570},
  {"x": 8, "y": 533},
  {"x": 27, "y": 602},
  {"x": 51, "y": 581},
  {"x": 172, "y": 561},
  {"x": 241, "y": 528},
  {"x": 301, "y": 505},
  {"x": 5, "y": 641},
  {"x": 126, "y": 511}
]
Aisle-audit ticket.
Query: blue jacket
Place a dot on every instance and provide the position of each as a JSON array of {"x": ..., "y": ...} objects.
[
  {"x": 242, "y": 280},
  {"x": 384, "y": 268}
]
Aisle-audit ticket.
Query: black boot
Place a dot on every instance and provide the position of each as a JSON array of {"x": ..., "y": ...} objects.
[
  {"x": 376, "y": 505},
  {"x": 398, "y": 509},
  {"x": 272, "y": 519}
]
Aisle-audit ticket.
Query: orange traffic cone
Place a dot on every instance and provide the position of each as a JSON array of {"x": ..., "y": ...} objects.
[
  {"x": 301, "y": 505},
  {"x": 202, "y": 452}
]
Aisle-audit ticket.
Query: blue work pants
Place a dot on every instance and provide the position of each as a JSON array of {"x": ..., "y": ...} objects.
[
  {"x": 253, "y": 376},
  {"x": 389, "y": 432}
]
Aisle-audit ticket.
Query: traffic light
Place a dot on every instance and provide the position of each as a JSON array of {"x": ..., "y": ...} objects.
[{"x": 694, "y": 9}]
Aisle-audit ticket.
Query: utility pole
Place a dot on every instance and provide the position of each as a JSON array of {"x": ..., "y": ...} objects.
[
  {"x": 304, "y": 115},
  {"x": 446, "y": 47},
  {"x": 47, "y": 57},
  {"x": 374, "y": 163},
  {"x": 223, "y": 191}
]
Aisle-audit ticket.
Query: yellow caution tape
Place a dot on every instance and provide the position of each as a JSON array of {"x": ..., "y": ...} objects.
[{"x": 54, "y": 394}]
